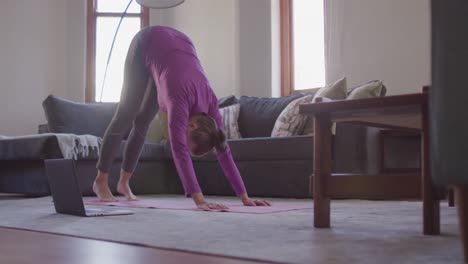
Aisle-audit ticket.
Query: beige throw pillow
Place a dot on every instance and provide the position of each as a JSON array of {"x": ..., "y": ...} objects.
[
  {"x": 158, "y": 130},
  {"x": 290, "y": 122},
  {"x": 368, "y": 90},
  {"x": 336, "y": 91},
  {"x": 230, "y": 114}
]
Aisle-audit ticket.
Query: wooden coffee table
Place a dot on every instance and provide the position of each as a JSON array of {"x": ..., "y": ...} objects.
[{"x": 408, "y": 111}]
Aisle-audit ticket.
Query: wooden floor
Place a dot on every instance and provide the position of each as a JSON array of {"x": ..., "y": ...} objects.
[{"x": 19, "y": 246}]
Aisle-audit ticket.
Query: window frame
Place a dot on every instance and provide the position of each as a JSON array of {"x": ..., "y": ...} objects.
[
  {"x": 92, "y": 15},
  {"x": 287, "y": 47}
]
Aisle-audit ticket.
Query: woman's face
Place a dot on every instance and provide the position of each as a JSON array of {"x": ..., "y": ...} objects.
[{"x": 192, "y": 146}]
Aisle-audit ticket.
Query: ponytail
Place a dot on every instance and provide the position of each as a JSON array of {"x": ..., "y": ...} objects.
[
  {"x": 220, "y": 141},
  {"x": 207, "y": 136}
]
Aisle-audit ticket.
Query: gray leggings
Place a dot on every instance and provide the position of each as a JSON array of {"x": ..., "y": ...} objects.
[{"x": 137, "y": 108}]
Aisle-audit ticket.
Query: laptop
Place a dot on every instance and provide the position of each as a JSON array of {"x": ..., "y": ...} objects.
[{"x": 66, "y": 191}]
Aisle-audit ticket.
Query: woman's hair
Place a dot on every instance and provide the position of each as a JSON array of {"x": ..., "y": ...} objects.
[{"x": 207, "y": 136}]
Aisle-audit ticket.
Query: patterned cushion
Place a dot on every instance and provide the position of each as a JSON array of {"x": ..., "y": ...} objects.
[
  {"x": 290, "y": 122},
  {"x": 230, "y": 115}
]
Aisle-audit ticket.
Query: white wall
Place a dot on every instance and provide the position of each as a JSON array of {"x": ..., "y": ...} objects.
[
  {"x": 233, "y": 39},
  {"x": 212, "y": 26},
  {"x": 76, "y": 47},
  {"x": 39, "y": 55},
  {"x": 386, "y": 39},
  {"x": 255, "y": 46}
]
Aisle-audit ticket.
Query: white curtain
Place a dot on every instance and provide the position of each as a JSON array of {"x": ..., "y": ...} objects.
[{"x": 334, "y": 39}]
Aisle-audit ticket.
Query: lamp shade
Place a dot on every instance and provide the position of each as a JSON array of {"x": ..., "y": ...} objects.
[{"x": 159, "y": 4}]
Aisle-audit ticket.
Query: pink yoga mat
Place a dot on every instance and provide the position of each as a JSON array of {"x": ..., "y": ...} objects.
[{"x": 188, "y": 205}]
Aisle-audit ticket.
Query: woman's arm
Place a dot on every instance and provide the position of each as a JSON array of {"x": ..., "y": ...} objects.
[
  {"x": 225, "y": 158},
  {"x": 229, "y": 167},
  {"x": 178, "y": 116}
]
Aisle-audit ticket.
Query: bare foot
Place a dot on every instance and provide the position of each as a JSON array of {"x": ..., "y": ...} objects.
[
  {"x": 103, "y": 192},
  {"x": 125, "y": 190}
]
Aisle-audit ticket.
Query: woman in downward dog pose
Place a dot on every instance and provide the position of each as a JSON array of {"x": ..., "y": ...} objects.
[{"x": 163, "y": 73}]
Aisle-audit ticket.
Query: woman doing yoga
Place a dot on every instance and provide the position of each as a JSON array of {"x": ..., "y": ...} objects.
[{"x": 166, "y": 58}]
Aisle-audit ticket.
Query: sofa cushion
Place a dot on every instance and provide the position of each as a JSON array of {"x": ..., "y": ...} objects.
[
  {"x": 335, "y": 91},
  {"x": 64, "y": 116},
  {"x": 371, "y": 89},
  {"x": 230, "y": 115},
  {"x": 258, "y": 115},
  {"x": 158, "y": 132},
  {"x": 31, "y": 147},
  {"x": 290, "y": 122},
  {"x": 227, "y": 101}
]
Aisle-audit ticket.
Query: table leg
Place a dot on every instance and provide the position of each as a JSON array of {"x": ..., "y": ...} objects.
[
  {"x": 322, "y": 170},
  {"x": 462, "y": 204},
  {"x": 431, "y": 204}
]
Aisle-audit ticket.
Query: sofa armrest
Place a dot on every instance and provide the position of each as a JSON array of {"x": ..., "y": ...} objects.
[{"x": 30, "y": 147}]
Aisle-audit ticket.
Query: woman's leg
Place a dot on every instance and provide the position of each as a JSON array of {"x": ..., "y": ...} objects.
[
  {"x": 133, "y": 90},
  {"x": 136, "y": 139}
]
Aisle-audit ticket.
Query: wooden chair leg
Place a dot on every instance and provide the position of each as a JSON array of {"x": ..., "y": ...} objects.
[{"x": 462, "y": 204}]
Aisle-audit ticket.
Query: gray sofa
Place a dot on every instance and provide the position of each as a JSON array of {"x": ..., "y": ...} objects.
[{"x": 273, "y": 167}]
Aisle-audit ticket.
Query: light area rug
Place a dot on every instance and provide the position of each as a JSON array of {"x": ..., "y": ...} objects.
[
  {"x": 187, "y": 204},
  {"x": 362, "y": 231}
]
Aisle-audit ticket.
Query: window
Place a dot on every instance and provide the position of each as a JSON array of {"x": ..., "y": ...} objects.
[
  {"x": 103, "y": 19},
  {"x": 302, "y": 45}
]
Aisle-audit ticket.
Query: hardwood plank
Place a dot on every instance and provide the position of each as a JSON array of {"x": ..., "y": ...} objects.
[
  {"x": 20, "y": 246},
  {"x": 322, "y": 170}
]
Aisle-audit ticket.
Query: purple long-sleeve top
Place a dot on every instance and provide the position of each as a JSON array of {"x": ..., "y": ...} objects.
[{"x": 183, "y": 91}]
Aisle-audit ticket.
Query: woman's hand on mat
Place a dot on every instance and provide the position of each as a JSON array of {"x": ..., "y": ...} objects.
[
  {"x": 249, "y": 202},
  {"x": 212, "y": 207},
  {"x": 199, "y": 200}
]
